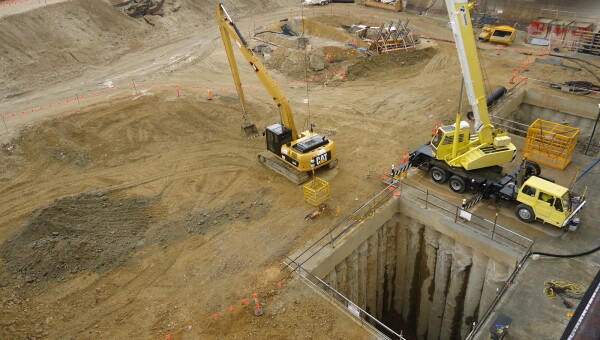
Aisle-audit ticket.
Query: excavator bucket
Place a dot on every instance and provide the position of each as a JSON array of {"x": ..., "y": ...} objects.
[{"x": 249, "y": 129}]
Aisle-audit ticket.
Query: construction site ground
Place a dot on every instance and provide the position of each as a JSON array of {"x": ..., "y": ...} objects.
[{"x": 136, "y": 213}]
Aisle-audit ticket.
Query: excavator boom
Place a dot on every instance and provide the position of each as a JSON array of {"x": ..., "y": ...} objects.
[{"x": 230, "y": 31}]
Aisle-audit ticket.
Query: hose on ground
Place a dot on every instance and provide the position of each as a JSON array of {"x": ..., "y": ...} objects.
[
  {"x": 578, "y": 87},
  {"x": 569, "y": 255},
  {"x": 564, "y": 290},
  {"x": 579, "y": 62},
  {"x": 579, "y": 59}
]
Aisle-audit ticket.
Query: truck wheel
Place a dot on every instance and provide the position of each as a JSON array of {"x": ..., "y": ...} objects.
[
  {"x": 532, "y": 169},
  {"x": 438, "y": 174},
  {"x": 457, "y": 184},
  {"x": 525, "y": 213}
]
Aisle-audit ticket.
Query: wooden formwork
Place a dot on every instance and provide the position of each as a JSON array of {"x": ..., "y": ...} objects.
[
  {"x": 316, "y": 191},
  {"x": 550, "y": 143}
]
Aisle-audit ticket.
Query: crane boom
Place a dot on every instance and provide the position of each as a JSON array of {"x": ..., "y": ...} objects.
[
  {"x": 462, "y": 28},
  {"x": 230, "y": 31}
]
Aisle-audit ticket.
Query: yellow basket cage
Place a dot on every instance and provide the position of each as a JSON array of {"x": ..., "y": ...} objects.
[
  {"x": 316, "y": 191},
  {"x": 550, "y": 143}
]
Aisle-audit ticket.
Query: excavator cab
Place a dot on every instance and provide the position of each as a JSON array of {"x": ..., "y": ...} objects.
[{"x": 277, "y": 135}]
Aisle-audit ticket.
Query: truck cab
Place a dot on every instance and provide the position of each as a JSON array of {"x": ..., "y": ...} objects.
[{"x": 546, "y": 201}]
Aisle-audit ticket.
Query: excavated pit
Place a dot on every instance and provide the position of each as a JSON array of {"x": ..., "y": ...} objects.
[{"x": 419, "y": 270}]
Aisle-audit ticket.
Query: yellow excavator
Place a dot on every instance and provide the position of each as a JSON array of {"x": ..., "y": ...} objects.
[{"x": 291, "y": 154}]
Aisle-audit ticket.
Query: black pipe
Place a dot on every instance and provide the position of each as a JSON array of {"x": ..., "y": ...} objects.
[
  {"x": 495, "y": 96},
  {"x": 568, "y": 256}
]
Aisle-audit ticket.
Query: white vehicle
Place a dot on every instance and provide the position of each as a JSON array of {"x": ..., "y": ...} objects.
[{"x": 316, "y": 2}]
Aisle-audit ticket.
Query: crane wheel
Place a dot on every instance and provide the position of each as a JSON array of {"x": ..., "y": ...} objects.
[
  {"x": 457, "y": 184},
  {"x": 525, "y": 213},
  {"x": 438, "y": 174}
]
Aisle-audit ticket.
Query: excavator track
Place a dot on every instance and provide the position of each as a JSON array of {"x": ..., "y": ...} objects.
[{"x": 279, "y": 166}]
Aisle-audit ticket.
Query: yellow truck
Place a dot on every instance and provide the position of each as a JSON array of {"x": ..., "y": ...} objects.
[
  {"x": 548, "y": 202},
  {"x": 498, "y": 34}
]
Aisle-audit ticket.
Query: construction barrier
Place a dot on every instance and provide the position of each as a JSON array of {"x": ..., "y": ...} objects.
[
  {"x": 178, "y": 88},
  {"x": 11, "y": 3}
]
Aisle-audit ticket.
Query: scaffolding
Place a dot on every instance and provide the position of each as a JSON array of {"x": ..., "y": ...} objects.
[
  {"x": 394, "y": 38},
  {"x": 550, "y": 143}
]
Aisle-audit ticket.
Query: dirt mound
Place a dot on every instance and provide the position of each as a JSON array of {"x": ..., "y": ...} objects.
[
  {"x": 66, "y": 39},
  {"x": 317, "y": 29},
  {"x": 385, "y": 62},
  {"x": 90, "y": 231}
]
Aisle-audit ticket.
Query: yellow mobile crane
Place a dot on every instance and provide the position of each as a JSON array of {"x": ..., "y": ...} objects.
[
  {"x": 289, "y": 153},
  {"x": 454, "y": 144},
  {"x": 471, "y": 161}
]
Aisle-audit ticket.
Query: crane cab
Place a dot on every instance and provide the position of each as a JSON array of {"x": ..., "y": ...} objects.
[{"x": 443, "y": 140}]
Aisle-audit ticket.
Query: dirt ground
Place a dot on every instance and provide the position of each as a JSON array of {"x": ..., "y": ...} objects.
[{"x": 139, "y": 213}]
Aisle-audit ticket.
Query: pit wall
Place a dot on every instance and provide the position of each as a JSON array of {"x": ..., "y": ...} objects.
[
  {"x": 426, "y": 270},
  {"x": 519, "y": 10},
  {"x": 529, "y": 104}
]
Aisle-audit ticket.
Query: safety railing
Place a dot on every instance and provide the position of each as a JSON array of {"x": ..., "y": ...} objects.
[
  {"x": 329, "y": 292},
  {"x": 477, "y": 326},
  {"x": 363, "y": 212},
  {"x": 479, "y": 224}
]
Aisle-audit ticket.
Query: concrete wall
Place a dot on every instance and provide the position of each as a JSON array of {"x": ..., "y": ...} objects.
[
  {"x": 419, "y": 272},
  {"x": 521, "y": 11}
]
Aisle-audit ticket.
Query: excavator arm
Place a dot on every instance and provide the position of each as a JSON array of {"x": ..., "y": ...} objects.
[{"x": 229, "y": 31}]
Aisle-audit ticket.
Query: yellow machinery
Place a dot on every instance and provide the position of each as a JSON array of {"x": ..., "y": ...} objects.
[
  {"x": 316, "y": 191},
  {"x": 471, "y": 161},
  {"x": 289, "y": 153},
  {"x": 498, "y": 34},
  {"x": 548, "y": 202},
  {"x": 454, "y": 144},
  {"x": 550, "y": 143},
  {"x": 395, "y": 6}
]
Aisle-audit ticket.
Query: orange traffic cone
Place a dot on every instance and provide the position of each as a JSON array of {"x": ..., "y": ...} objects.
[{"x": 512, "y": 79}]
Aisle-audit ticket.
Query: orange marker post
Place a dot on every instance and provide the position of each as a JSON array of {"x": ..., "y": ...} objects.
[
  {"x": 258, "y": 311},
  {"x": 512, "y": 79},
  {"x": 208, "y": 94},
  {"x": 435, "y": 131}
]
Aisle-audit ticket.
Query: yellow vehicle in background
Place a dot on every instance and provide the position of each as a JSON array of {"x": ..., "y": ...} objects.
[{"x": 498, "y": 34}]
